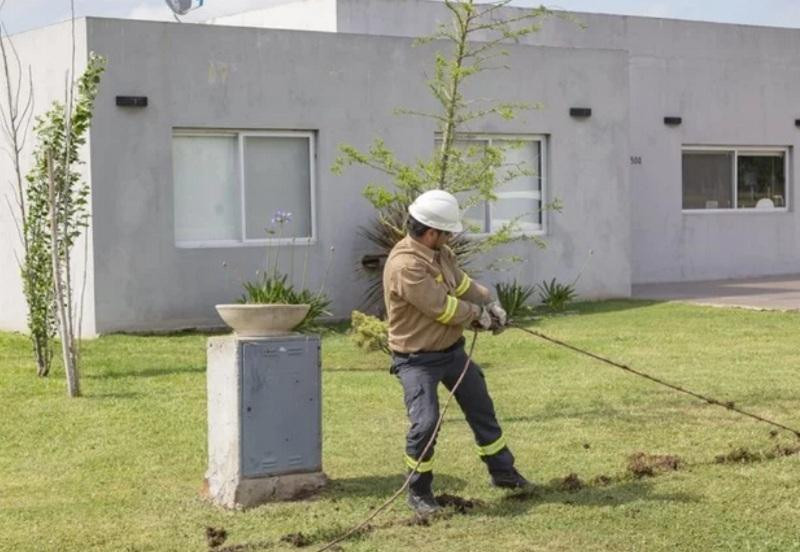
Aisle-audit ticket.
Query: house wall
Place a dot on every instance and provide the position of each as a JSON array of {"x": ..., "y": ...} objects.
[
  {"x": 345, "y": 88},
  {"x": 306, "y": 15},
  {"x": 731, "y": 84},
  {"x": 47, "y": 52}
]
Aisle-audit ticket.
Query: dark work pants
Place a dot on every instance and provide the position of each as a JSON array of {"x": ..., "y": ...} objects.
[{"x": 420, "y": 374}]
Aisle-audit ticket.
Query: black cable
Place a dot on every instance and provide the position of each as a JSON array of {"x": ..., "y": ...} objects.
[
  {"x": 730, "y": 405},
  {"x": 404, "y": 486}
]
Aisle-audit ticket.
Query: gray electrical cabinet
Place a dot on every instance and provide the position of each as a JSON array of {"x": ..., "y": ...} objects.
[
  {"x": 281, "y": 407},
  {"x": 264, "y": 418}
]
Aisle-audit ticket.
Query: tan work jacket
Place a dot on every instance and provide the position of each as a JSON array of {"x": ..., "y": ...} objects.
[{"x": 428, "y": 298}]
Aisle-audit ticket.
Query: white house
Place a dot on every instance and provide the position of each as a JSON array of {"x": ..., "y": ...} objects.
[{"x": 683, "y": 169}]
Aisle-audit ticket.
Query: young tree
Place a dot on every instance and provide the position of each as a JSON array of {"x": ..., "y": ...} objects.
[
  {"x": 16, "y": 112},
  {"x": 473, "y": 173},
  {"x": 58, "y": 200}
]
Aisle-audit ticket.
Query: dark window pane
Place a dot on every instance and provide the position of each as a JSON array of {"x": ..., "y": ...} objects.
[
  {"x": 761, "y": 181},
  {"x": 707, "y": 180}
]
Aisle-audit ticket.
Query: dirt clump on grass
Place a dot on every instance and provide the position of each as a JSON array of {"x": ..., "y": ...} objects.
[
  {"x": 602, "y": 480},
  {"x": 641, "y": 464},
  {"x": 783, "y": 450},
  {"x": 571, "y": 483},
  {"x": 740, "y": 455},
  {"x": 215, "y": 537},
  {"x": 459, "y": 504},
  {"x": 298, "y": 540}
]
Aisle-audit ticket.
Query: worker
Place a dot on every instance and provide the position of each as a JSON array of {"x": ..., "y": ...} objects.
[{"x": 429, "y": 302}]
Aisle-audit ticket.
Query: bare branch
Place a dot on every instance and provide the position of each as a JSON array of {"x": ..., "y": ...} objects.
[
  {"x": 404, "y": 111},
  {"x": 493, "y": 8},
  {"x": 15, "y": 219},
  {"x": 506, "y": 24}
]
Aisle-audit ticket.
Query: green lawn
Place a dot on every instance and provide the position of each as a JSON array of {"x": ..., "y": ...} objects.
[{"x": 122, "y": 467}]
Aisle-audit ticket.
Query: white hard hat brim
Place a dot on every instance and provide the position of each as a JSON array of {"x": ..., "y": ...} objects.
[{"x": 454, "y": 227}]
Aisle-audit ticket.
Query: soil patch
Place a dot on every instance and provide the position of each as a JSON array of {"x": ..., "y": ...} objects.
[
  {"x": 739, "y": 455},
  {"x": 742, "y": 455},
  {"x": 601, "y": 480},
  {"x": 459, "y": 504},
  {"x": 215, "y": 537},
  {"x": 298, "y": 540},
  {"x": 642, "y": 464},
  {"x": 571, "y": 483}
]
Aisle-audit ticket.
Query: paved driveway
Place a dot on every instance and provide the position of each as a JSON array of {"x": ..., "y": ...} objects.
[{"x": 772, "y": 292}]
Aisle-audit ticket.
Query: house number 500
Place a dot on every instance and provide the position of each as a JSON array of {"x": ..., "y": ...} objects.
[{"x": 636, "y": 160}]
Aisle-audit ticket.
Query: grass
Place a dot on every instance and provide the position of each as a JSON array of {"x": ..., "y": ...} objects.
[{"x": 122, "y": 467}]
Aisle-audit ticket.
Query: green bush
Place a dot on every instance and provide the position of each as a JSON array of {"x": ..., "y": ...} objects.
[
  {"x": 555, "y": 295},
  {"x": 369, "y": 332},
  {"x": 515, "y": 298}
]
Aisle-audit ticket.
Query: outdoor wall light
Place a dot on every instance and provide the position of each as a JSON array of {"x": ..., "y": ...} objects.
[
  {"x": 581, "y": 112},
  {"x": 672, "y": 121},
  {"x": 132, "y": 101},
  {"x": 797, "y": 123},
  {"x": 372, "y": 262}
]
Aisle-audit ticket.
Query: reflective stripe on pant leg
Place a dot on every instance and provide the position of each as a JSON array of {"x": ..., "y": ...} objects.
[
  {"x": 492, "y": 448},
  {"x": 423, "y": 467}
]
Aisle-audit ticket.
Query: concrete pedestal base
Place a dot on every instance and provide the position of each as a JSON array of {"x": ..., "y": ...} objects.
[
  {"x": 247, "y": 493},
  {"x": 264, "y": 420}
]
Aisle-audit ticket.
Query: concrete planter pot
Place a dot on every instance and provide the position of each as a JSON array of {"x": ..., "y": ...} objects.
[{"x": 250, "y": 320}]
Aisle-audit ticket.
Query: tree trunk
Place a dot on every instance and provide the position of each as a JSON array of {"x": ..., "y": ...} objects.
[{"x": 64, "y": 325}]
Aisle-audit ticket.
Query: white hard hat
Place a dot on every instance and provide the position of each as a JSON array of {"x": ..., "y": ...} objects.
[{"x": 437, "y": 209}]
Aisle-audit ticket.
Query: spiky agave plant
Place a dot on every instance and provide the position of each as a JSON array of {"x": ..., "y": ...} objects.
[
  {"x": 515, "y": 298},
  {"x": 383, "y": 232}
]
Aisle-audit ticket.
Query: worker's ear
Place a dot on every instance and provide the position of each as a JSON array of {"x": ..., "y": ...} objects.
[{"x": 432, "y": 234}]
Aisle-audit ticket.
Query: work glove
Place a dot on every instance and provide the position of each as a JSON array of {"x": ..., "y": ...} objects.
[
  {"x": 498, "y": 313},
  {"x": 484, "y": 320}
]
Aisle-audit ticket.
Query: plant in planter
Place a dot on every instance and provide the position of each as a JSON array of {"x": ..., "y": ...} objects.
[{"x": 271, "y": 305}]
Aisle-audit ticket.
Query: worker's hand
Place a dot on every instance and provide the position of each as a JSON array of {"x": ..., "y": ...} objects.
[
  {"x": 498, "y": 313},
  {"x": 484, "y": 321}
]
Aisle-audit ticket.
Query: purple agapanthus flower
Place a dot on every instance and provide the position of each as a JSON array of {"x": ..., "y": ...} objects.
[{"x": 281, "y": 217}]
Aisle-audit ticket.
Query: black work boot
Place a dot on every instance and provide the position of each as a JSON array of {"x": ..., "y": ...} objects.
[
  {"x": 510, "y": 480},
  {"x": 423, "y": 504}
]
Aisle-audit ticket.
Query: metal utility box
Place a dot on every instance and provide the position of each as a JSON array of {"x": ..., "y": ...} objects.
[
  {"x": 264, "y": 419},
  {"x": 281, "y": 414}
]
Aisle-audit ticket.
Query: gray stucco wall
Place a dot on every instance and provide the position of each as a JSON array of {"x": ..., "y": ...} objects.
[
  {"x": 733, "y": 85},
  {"x": 344, "y": 87},
  {"x": 47, "y": 52}
]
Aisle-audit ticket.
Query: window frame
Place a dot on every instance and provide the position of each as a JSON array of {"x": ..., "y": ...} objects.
[
  {"x": 543, "y": 153},
  {"x": 747, "y": 151},
  {"x": 240, "y": 136}
]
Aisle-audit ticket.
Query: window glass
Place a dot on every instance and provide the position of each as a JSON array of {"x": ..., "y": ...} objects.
[
  {"x": 707, "y": 180},
  {"x": 760, "y": 181},
  {"x": 276, "y": 176},
  {"x": 206, "y": 188},
  {"x": 520, "y": 198}
]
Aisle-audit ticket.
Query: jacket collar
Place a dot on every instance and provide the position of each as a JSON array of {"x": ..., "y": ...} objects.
[{"x": 421, "y": 249}]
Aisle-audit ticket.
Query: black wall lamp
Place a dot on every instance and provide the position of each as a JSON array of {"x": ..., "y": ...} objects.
[
  {"x": 132, "y": 101},
  {"x": 672, "y": 121},
  {"x": 797, "y": 123},
  {"x": 580, "y": 112},
  {"x": 373, "y": 262}
]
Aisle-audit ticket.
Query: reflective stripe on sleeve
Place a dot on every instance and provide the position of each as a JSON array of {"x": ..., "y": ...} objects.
[
  {"x": 463, "y": 286},
  {"x": 449, "y": 310}
]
